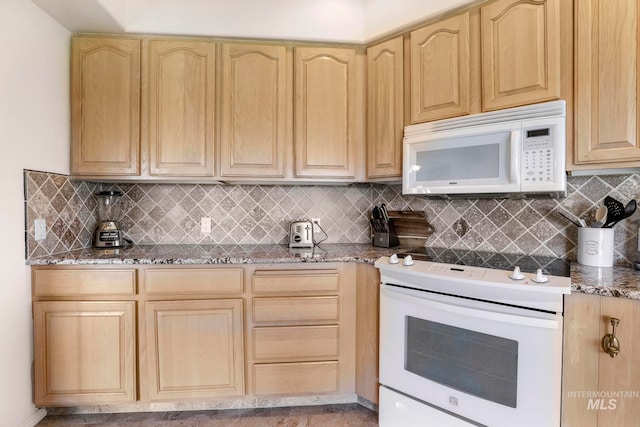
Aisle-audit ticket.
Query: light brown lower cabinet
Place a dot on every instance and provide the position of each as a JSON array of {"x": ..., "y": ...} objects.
[
  {"x": 84, "y": 352},
  {"x": 599, "y": 390},
  {"x": 107, "y": 335},
  {"x": 302, "y": 331},
  {"x": 195, "y": 348}
]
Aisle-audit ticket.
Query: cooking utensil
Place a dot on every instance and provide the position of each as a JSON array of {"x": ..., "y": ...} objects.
[
  {"x": 376, "y": 221},
  {"x": 615, "y": 211},
  {"x": 385, "y": 213},
  {"x": 630, "y": 208},
  {"x": 576, "y": 223},
  {"x": 601, "y": 217}
]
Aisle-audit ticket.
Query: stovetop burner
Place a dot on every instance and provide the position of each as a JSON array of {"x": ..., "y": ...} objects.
[{"x": 527, "y": 263}]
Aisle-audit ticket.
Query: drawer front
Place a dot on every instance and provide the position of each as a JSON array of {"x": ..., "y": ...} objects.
[
  {"x": 296, "y": 309},
  {"x": 296, "y": 281},
  {"x": 296, "y": 378},
  {"x": 167, "y": 281},
  {"x": 295, "y": 343},
  {"x": 69, "y": 282}
]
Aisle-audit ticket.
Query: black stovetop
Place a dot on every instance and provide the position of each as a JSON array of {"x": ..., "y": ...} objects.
[{"x": 527, "y": 263}]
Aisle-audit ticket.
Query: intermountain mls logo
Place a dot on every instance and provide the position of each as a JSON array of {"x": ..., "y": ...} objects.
[{"x": 603, "y": 400}]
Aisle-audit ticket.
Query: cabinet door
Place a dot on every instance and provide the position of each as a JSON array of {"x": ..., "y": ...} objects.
[
  {"x": 105, "y": 106},
  {"x": 84, "y": 353},
  {"x": 195, "y": 349},
  {"x": 325, "y": 112},
  {"x": 385, "y": 109},
  {"x": 520, "y": 52},
  {"x": 607, "y": 72},
  {"x": 178, "y": 112},
  {"x": 254, "y": 110},
  {"x": 588, "y": 368},
  {"x": 440, "y": 70}
]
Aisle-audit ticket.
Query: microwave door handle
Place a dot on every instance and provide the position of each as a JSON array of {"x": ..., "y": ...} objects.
[
  {"x": 515, "y": 157},
  {"x": 470, "y": 312}
]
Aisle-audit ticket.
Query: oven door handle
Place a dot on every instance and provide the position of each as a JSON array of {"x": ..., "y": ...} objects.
[{"x": 404, "y": 295}]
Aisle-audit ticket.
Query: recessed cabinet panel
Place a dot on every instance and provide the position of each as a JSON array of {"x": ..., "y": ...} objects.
[
  {"x": 254, "y": 110},
  {"x": 180, "y": 84},
  {"x": 520, "y": 52},
  {"x": 607, "y": 73},
  {"x": 83, "y": 281},
  {"x": 440, "y": 70},
  {"x": 296, "y": 309},
  {"x": 385, "y": 108},
  {"x": 325, "y": 112},
  {"x": 195, "y": 348},
  {"x": 84, "y": 352},
  {"x": 195, "y": 281},
  {"x": 265, "y": 281},
  {"x": 296, "y": 343},
  {"x": 105, "y": 106},
  {"x": 296, "y": 378}
]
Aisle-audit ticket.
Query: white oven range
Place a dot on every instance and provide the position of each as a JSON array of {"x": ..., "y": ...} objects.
[{"x": 469, "y": 346}]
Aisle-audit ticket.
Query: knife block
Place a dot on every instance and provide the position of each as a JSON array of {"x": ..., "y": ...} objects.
[
  {"x": 409, "y": 228},
  {"x": 386, "y": 240}
]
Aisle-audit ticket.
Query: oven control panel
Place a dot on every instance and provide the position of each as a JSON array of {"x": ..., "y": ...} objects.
[{"x": 457, "y": 271}]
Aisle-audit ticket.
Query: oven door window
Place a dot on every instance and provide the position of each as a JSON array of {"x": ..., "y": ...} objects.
[{"x": 482, "y": 365}]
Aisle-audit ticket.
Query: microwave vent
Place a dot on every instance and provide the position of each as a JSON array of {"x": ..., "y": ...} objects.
[{"x": 528, "y": 112}]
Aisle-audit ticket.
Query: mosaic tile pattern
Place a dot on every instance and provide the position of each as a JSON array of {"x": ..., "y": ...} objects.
[{"x": 260, "y": 214}]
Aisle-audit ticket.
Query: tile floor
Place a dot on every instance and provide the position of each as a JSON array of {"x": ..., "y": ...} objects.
[{"x": 348, "y": 415}]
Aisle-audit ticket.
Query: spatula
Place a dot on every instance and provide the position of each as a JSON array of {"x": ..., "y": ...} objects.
[{"x": 615, "y": 211}]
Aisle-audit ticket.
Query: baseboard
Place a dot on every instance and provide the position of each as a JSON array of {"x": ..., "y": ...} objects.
[{"x": 35, "y": 418}]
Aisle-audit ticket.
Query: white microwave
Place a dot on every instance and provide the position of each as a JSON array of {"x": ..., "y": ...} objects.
[{"x": 508, "y": 153}]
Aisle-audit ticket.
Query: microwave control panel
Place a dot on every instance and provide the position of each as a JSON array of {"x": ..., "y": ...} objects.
[{"x": 538, "y": 155}]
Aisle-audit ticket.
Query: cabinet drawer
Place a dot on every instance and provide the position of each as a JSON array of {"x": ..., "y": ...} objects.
[
  {"x": 296, "y": 281},
  {"x": 296, "y": 378},
  {"x": 295, "y": 343},
  {"x": 68, "y": 282},
  {"x": 298, "y": 309},
  {"x": 194, "y": 281}
]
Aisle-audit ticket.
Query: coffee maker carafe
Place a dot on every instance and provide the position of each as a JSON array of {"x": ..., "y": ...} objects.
[{"x": 110, "y": 210}]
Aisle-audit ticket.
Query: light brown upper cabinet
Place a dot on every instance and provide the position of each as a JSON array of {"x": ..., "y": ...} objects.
[
  {"x": 326, "y": 112},
  {"x": 385, "y": 108},
  {"x": 520, "y": 52},
  {"x": 607, "y": 75},
  {"x": 255, "y": 86},
  {"x": 178, "y": 109},
  {"x": 105, "y": 106},
  {"x": 441, "y": 70}
]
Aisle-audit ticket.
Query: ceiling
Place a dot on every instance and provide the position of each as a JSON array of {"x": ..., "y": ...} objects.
[{"x": 351, "y": 21}]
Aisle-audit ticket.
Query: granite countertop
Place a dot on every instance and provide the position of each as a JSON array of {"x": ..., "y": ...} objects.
[
  {"x": 216, "y": 254},
  {"x": 622, "y": 282}
]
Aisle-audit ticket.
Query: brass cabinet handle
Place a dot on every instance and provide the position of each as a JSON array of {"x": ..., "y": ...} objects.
[{"x": 610, "y": 343}]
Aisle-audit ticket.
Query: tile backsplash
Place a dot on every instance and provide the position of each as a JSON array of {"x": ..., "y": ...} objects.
[{"x": 260, "y": 214}]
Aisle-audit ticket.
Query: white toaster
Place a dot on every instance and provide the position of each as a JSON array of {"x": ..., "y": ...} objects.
[{"x": 301, "y": 234}]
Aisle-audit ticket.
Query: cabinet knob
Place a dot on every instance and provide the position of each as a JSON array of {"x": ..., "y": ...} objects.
[{"x": 610, "y": 343}]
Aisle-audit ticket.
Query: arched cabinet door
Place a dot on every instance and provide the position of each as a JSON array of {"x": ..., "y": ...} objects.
[
  {"x": 325, "y": 111},
  {"x": 441, "y": 70},
  {"x": 385, "y": 108},
  {"x": 255, "y": 85},
  {"x": 179, "y": 107},
  {"x": 520, "y": 52},
  {"x": 105, "y": 106}
]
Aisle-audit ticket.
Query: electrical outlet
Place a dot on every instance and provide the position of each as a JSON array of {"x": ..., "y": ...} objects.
[
  {"x": 40, "y": 229},
  {"x": 205, "y": 225},
  {"x": 316, "y": 221}
]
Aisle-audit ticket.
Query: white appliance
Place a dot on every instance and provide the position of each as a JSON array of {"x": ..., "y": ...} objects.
[
  {"x": 469, "y": 346},
  {"x": 518, "y": 151}
]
